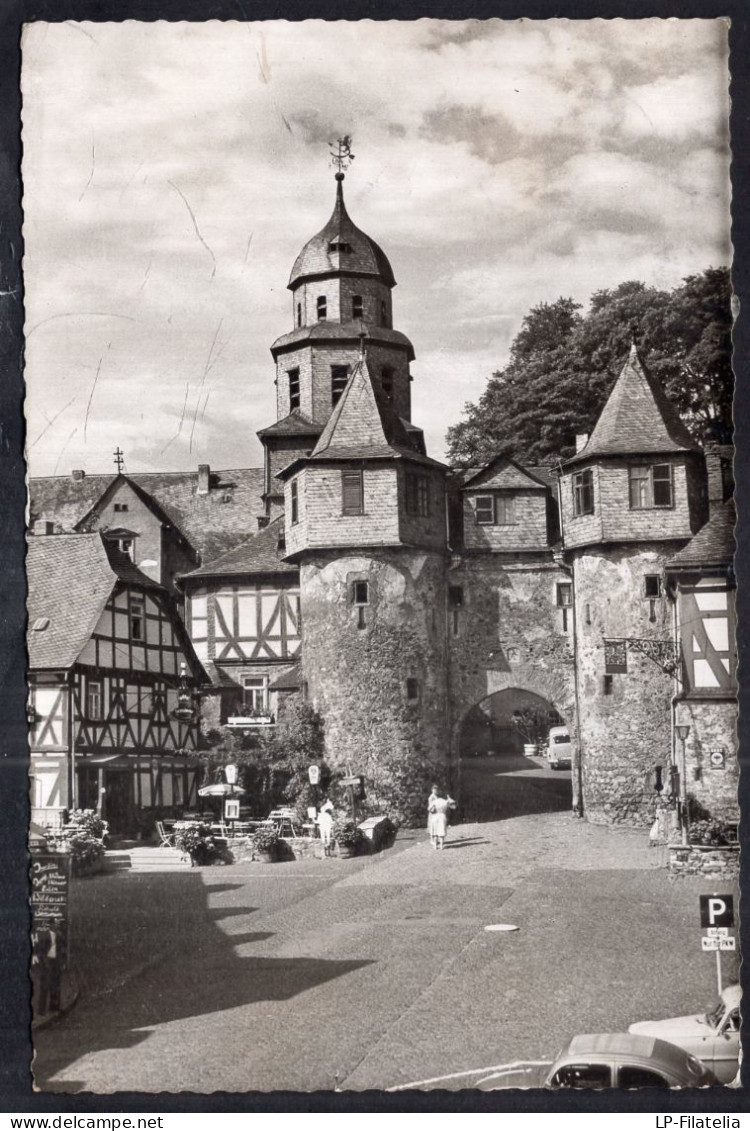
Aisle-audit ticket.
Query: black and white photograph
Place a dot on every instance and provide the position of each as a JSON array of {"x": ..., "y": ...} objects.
[{"x": 382, "y": 659}]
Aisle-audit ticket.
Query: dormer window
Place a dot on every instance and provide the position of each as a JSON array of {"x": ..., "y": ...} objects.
[
  {"x": 650, "y": 486},
  {"x": 357, "y": 306},
  {"x": 583, "y": 492},
  {"x": 339, "y": 378},
  {"x": 121, "y": 507},
  {"x": 322, "y": 308},
  {"x": 340, "y": 246},
  {"x": 293, "y": 375}
]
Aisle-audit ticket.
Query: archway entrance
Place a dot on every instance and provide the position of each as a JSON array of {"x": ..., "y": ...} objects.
[{"x": 504, "y": 768}]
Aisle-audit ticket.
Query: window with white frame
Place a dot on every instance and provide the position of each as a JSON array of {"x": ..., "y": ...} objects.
[
  {"x": 137, "y": 626},
  {"x": 650, "y": 486},
  {"x": 254, "y": 694},
  {"x": 583, "y": 492},
  {"x": 93, "y": 699}
]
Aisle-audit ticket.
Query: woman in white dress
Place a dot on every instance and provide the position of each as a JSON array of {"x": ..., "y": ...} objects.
[{"x": 438, "y": 807}]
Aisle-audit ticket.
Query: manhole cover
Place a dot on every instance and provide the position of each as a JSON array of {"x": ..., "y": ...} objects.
[{"x": 501, "y": 927}]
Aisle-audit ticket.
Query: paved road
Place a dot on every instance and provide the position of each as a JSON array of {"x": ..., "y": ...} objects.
[{"x": 375, "y": 971}]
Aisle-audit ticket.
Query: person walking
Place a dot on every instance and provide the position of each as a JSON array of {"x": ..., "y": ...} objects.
[
  {"x": 438, "y": 807},
  {"x": 325, "y": 824}
]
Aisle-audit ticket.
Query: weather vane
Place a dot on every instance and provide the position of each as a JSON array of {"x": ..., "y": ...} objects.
[
  {"x": 341, "y": 153},
  {"x": 119, "y": 459}
]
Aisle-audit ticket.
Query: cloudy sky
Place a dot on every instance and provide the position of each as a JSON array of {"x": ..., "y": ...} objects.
[{"x": 173, "y": 171}]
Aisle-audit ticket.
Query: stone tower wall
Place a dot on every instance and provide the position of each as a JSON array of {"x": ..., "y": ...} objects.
[
  {"x": 381, "y": 689},
  {"x": 626, "y": 731},
  {"x": 338, "y": 292}
]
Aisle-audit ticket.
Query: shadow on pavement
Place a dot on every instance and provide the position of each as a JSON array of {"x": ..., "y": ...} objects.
[{"x": 183, "y": 966}]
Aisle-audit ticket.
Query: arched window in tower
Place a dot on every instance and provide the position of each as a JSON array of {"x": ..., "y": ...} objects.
[
  {"x": 383, "y": 313},
  {"x": 357, "y": 306},
  {"x": 386, "y": 382},
  {"x": 299, "y": 313},
  {"x": 339, "y": 378},
  {"x": 322, "y": 308}
]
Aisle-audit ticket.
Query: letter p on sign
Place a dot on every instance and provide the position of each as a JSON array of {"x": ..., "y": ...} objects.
[{"x": 717, "y": 910}]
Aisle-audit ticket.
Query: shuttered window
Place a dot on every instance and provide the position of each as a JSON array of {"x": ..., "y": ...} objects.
[
  {"x": 352, "y": 493},
  {"x": 339, "y": 379},
  {"x": 293, "y": 375}
]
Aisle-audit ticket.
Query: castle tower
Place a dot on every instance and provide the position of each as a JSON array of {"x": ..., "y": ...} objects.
[
  {"x": 630, "y": 498},
  {"x": 365, "y": 521},
  {"x": 341, "y": 286}
]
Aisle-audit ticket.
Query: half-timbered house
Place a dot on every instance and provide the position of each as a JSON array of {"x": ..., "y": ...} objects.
[{"x": 109, "y": 659}]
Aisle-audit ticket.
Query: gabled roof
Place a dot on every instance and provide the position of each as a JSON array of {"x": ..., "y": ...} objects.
[
  {"x": 212, "y": 523},
  {"x": 638, "y": 419},
  {"x": 295, "y": 424},
  {"x": 70, "y": 578},
  {"x": 358, "y": 254},
  {"x": 256, "y": 555},
  {"x": 713, "y": 546},
  {"x": 503, "y": 473},
  {"x": 147, "y": 499}
]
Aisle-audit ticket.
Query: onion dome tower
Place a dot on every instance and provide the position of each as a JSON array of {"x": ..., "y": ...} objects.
[{"x": 341, "y": 285}]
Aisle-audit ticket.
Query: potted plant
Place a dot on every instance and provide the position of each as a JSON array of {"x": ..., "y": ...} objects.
[
  {"x": 197, "y": 842},
  {"x": 347, "y": 837},
  {"x": 265, "y": 844}
]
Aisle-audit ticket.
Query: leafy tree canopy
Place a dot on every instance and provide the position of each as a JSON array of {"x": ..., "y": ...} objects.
[{"x": 563, "y": 364}]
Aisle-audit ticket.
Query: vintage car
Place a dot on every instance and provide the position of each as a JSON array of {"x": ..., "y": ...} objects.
[
  {"x": 713, "y": 1036},
  {"x": 607, "y": 1060}
]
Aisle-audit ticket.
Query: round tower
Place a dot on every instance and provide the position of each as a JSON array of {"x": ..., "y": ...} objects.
[
  {"x": 630, "y": 498},
  {"x": 365, "y": 522}
]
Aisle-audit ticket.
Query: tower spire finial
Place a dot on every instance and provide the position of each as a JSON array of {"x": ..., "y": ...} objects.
[{"x": 341, "y": 155}]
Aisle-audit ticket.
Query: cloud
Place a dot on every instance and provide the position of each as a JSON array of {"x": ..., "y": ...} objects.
[{"x": 499, "y": 164}]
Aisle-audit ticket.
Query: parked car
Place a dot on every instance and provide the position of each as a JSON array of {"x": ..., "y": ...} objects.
[
  {"x": 712, "y": 1036},
  {"x": 559, "y": 748},
  {"x": 607, "y": 1060}
]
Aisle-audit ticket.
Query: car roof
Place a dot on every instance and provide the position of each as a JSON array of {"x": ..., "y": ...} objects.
[{"x": 611, "y": 1044}]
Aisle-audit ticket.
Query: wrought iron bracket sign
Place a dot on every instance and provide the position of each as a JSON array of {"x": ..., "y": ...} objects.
[{"x": 664, "y": 653}]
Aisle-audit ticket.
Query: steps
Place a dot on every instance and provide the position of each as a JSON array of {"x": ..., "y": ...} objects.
[{"x": 145, "y": 858}]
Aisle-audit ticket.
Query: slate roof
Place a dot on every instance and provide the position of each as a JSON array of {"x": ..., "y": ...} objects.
[
  {"x": 257, "y": 554},
  {"x": 364, "y": 256},
  {"x": 638, "y": 419},
  {"x": 289, "y": 680},
  {"x": 363, "y": 426},
  {"x": 295, "y": 424},
  {"x": 70, "y": 578},
  {"x": 212, "y": 523},
  {"x": 713, "y": 545},
  {"x": 343, "y": 333},
  {"x": 504, "y": 473}
]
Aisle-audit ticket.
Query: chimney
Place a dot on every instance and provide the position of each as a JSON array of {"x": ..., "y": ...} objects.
[
  {"x": 77, "y": 475},
  {"x": 582, "y": 439},
  {"x": 719, "y": 472},
  {"x": 204, "y": 478}
]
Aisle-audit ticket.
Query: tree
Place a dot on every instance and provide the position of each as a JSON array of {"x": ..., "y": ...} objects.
[{"x": 563, "y": 365}]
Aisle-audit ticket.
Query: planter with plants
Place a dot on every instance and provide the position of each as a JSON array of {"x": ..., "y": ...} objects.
[
  {"x": 198, "y": 842},
  {"x": 84, "y": 836},
  {"x": 347, "y": 837},
  {"x": 265, "y": 844}
]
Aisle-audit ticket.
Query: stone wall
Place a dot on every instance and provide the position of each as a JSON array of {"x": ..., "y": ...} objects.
[
  {"x": 381, "y": 688},
  {"x": 693, "y": 860},
  {"x": 508, "y": 633},
  {"x": 713, "y": 727},
  {"x": 626, "y": 731}
]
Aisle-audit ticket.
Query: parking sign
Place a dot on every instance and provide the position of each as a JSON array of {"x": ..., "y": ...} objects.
[{"x": 717, "y": 910}]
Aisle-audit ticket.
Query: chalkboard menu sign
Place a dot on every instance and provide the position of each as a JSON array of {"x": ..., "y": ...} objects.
[{"x": 50, "y": 881}]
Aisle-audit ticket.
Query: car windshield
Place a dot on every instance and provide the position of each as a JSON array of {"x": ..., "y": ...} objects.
[{"x": 714, "y": 1017}]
